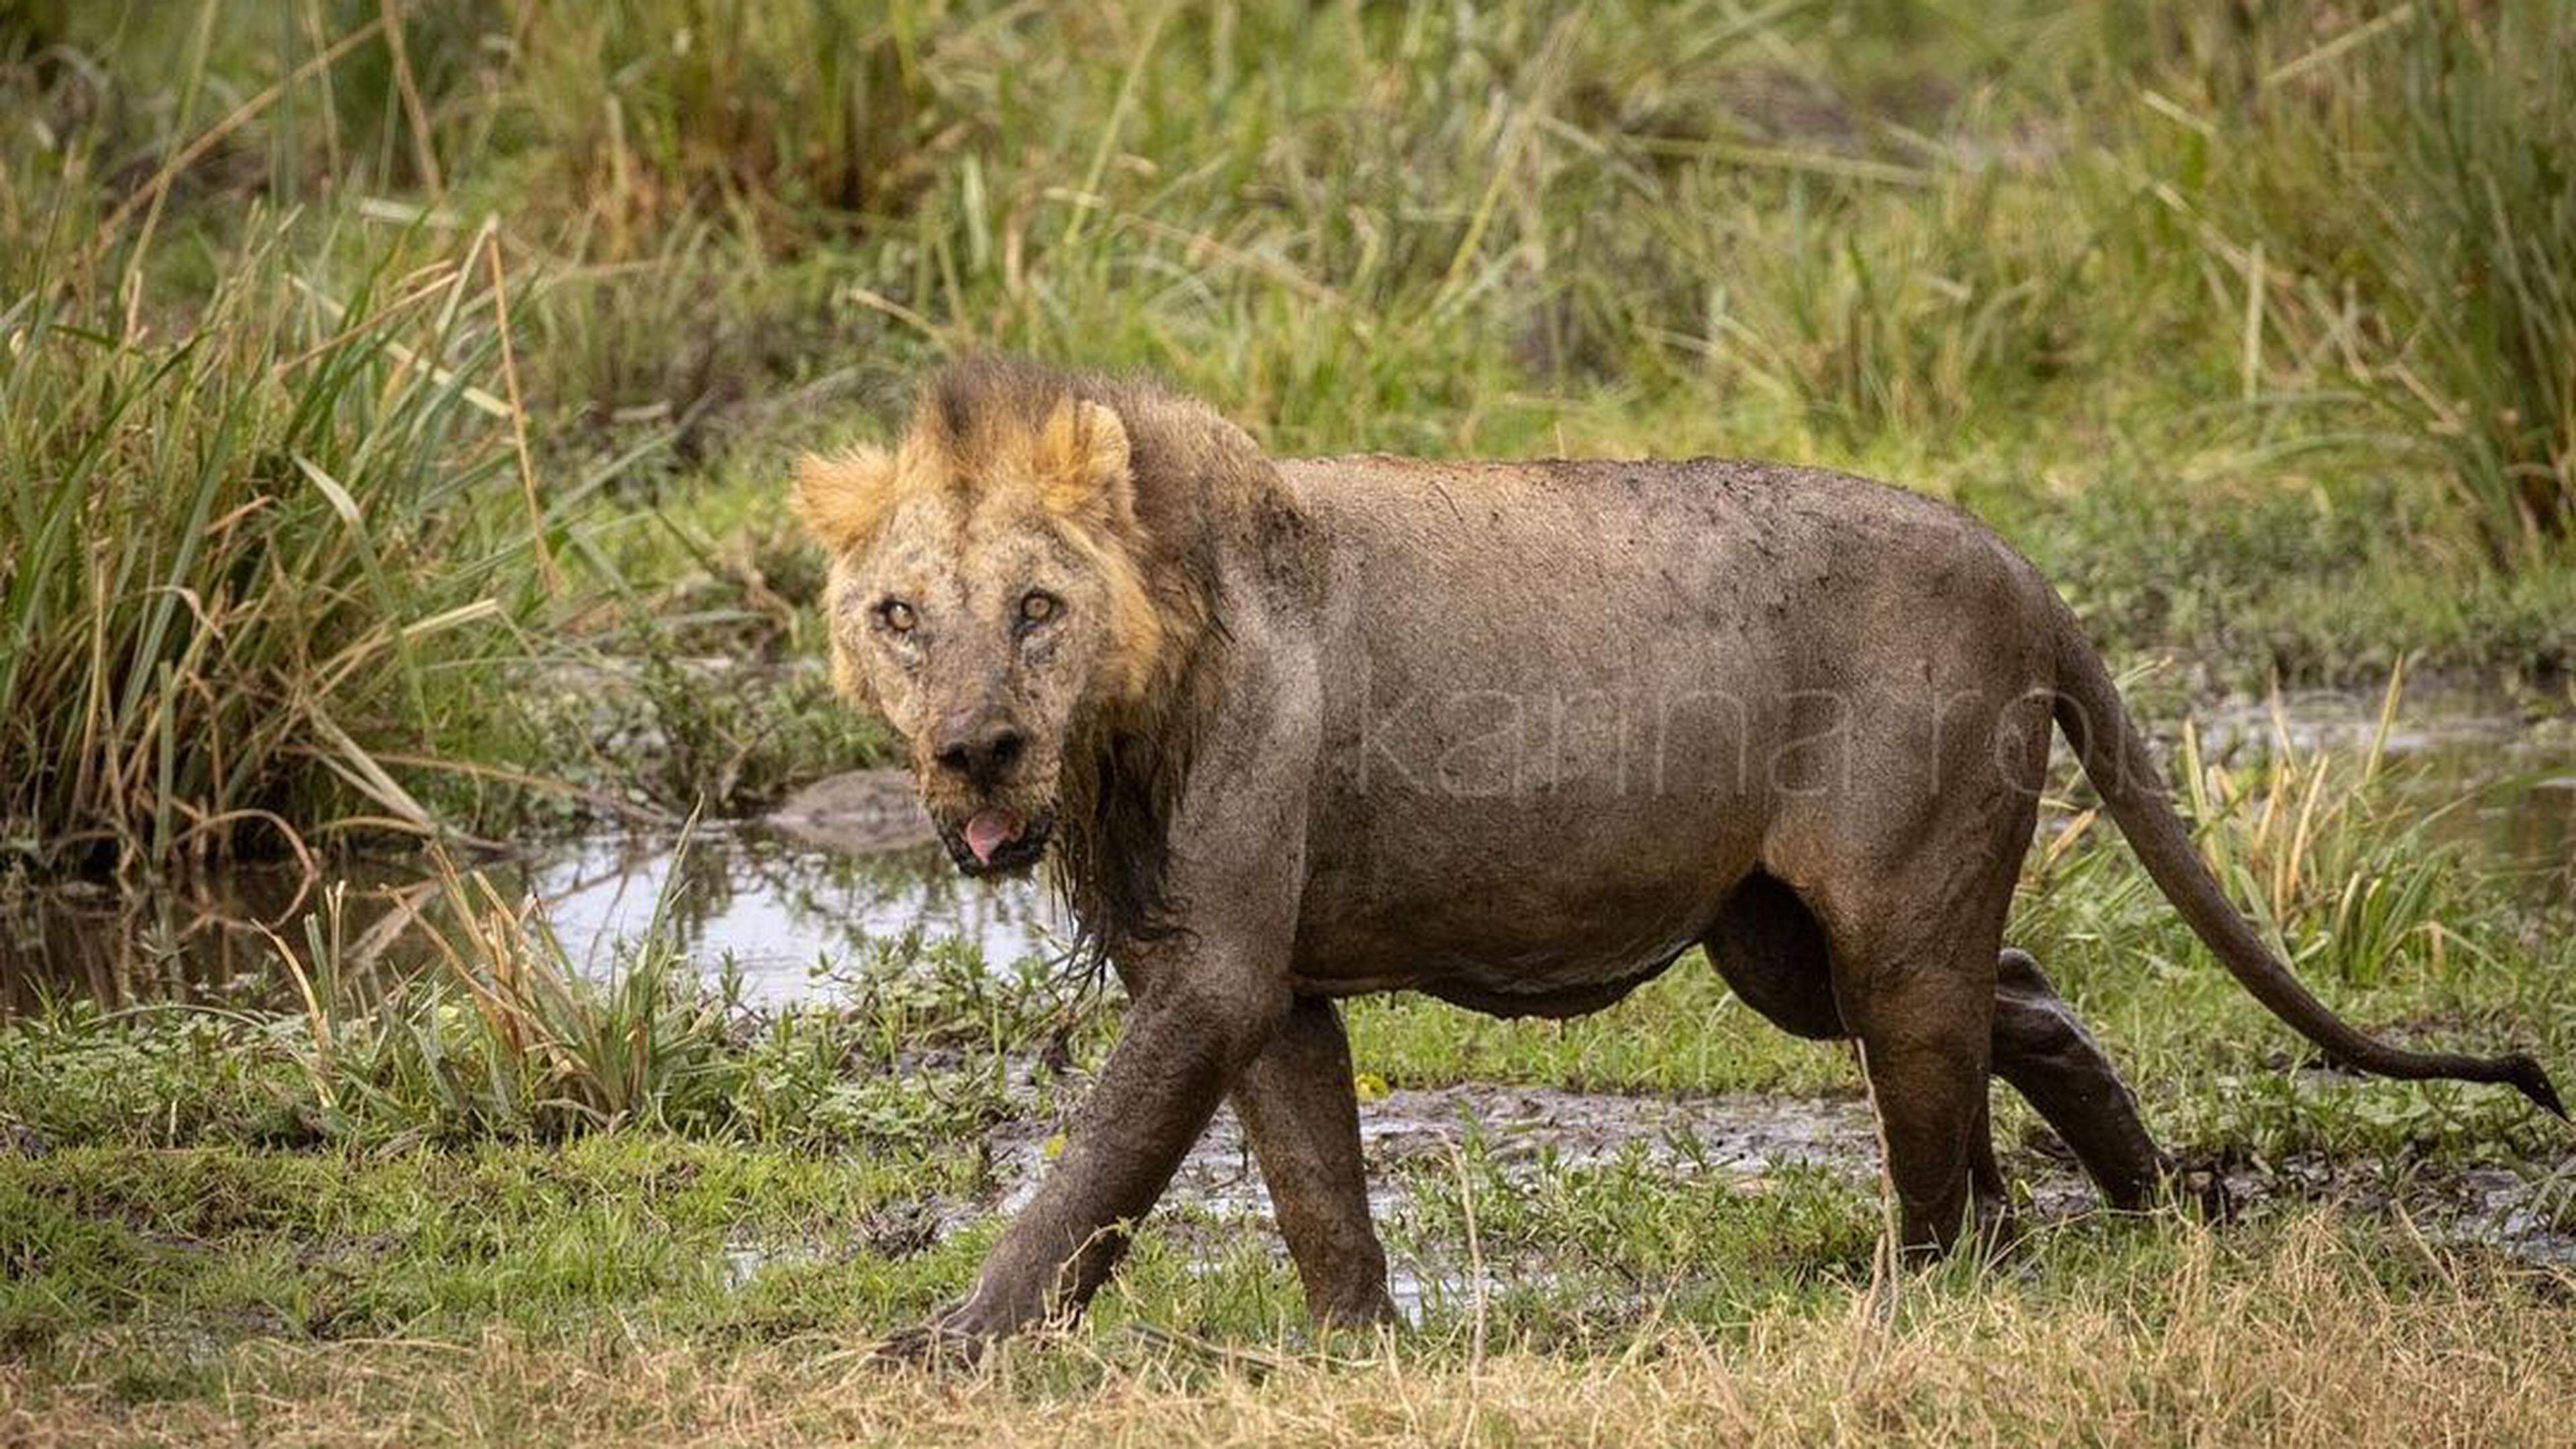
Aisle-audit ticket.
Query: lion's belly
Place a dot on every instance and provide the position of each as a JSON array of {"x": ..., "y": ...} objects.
[
  {"x": 1549, "y": 912},
  {"x": 1532, "y": 972}
]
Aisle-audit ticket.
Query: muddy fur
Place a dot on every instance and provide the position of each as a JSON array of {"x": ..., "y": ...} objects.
[
  {"x": 1517, "y": 735},
  {"x": 1179, "y": 482}
]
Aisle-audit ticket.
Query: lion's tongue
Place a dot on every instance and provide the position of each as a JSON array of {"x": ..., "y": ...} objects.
[{"x": 989, "y": 831}]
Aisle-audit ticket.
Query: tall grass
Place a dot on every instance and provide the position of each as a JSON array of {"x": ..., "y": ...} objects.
[
  {"x": 2227, "y": 249},
  {"x": 248, "y": 553},
  {"x": 2478, "y": 246},
  {"x": 1897, "y": 213},
  {"x": 1386, "y": 227},
  {"x": 1393, "y": 225},
  {"x": 2394, "y": 205}
]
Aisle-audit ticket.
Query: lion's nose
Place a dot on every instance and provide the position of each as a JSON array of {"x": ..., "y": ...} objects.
[{"x": 983, "y": 752}]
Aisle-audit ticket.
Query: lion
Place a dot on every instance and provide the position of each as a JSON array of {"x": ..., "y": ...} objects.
[{"x": 1518, "y": 735}]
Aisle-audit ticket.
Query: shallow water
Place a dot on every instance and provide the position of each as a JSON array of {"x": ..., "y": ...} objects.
[
  {"x": 848, "y": 867},
  {"x": 771, "y": 906},
  {"x": 2502, "y": 786}
]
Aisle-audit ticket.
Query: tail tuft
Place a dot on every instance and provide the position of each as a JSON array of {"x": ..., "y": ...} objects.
[{"x": 2528, "y": 1078}]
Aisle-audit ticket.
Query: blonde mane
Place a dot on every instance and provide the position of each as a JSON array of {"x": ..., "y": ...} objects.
[{"x": 1153, "y": 489}]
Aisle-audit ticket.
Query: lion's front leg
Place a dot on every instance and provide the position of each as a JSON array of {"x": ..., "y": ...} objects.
[
  {"x": 1208, "y": 995},
  {"x": 1190, "y": 1032}
]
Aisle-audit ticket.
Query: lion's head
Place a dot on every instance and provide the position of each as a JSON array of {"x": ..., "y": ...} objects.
[{"x": 989, "y": 597}]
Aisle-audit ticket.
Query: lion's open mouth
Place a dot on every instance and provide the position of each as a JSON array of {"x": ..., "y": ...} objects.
[{"x": 997, "y": 841}]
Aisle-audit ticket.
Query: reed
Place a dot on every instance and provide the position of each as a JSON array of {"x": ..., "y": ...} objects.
[{"x": 243, "y": 557}]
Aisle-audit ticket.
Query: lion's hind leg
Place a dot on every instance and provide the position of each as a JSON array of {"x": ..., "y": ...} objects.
[
  {"x": 1923, "y": 1014},
  {"x": 2045, "y": 1052},
  {"x": 1300, "y": 1112},
  {"x": 1771, "y": 951},
  {"x": 1929, "y": 1085}
]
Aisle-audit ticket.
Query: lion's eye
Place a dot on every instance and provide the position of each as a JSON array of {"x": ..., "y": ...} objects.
[
  {"x": 896, "y": 615},
  {"x": 1038, "y": 606}
]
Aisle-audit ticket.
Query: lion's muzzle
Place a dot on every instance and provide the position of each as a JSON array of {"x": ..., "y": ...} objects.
[{"x": 983, "y": 752}]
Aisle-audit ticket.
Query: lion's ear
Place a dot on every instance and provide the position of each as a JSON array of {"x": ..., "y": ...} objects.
[
  {"x": 841, "y": 497},
  {"x": 1083, "y": 462}
]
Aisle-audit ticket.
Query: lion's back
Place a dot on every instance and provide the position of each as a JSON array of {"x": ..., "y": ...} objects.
[{"x": 1526, "y": 551}]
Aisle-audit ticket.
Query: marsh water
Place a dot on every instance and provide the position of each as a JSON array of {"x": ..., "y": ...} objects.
[
  {"x": 779, "y": 911},
  {"x": 846, "y": 872}
]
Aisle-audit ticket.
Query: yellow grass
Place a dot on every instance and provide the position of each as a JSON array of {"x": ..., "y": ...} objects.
[{"x": 2295, "y": 1340}]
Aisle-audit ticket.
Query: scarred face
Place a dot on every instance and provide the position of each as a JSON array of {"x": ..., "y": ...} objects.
[{"x": 984, "y": 603}]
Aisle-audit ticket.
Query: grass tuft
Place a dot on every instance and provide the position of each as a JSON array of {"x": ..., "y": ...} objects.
[{"x": 242, "y": 556}]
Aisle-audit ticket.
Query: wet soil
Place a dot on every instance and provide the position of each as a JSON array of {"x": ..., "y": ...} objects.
[{"x": 1731, "y": 1143}]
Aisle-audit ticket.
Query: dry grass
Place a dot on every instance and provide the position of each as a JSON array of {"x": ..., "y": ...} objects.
[{"x": 2296, "y": 1338}]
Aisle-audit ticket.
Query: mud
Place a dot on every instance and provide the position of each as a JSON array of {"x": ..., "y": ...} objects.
[
  {"x": 1515, "y": 1128},
  {"x": 1731, "y": 1143}
]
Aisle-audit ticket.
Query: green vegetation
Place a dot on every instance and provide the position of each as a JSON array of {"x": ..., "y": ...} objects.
[
  {"x": 620, "y": 1290},
  {"x": 359, "y": 377},
  {"x": 501, "y": 1197},
  {"x": 393, "y": 399},
  {"x": 617, "y": 1292},
  {"x": 234, "y": 552}
]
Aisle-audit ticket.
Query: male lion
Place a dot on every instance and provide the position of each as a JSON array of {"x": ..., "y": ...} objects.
[{"x": 1514, "y": 734}]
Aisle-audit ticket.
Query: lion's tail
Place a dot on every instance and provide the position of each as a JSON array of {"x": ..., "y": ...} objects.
[{"x": 2115, "y": 759}]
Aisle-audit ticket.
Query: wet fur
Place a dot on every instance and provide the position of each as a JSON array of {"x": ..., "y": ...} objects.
[
  {"x": 1226, "y": 846},
  {"x": 1194, "y": 482}
]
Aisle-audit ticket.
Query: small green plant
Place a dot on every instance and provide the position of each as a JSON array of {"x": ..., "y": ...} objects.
[
  {"x": 2351, "y": 883},
  {"x": 503, "y": 1036},
  {"x": 2310, "y": 844}
]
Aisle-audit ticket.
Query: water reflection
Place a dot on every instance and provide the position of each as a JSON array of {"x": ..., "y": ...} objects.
[{"x": 776, "y": 910}]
